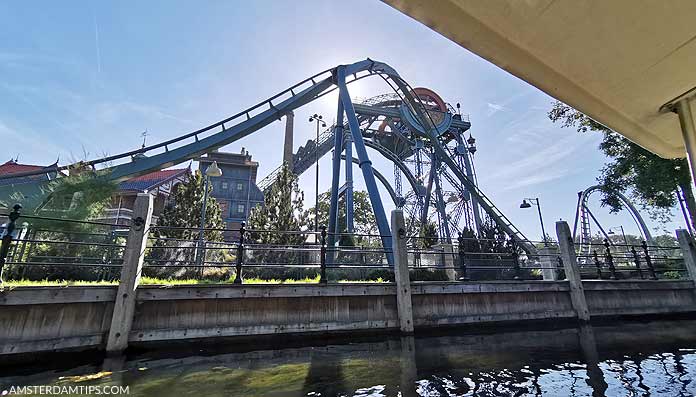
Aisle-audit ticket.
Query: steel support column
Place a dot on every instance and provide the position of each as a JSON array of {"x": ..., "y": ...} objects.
[
  {"x": 365, "y": 166},
  {"x": 474, "y": 202},
  {"x": 444, "y": 224},
  {"x": 349, "y": 184},
  {"x": 335, "y": 176},
  {"x": 686, "y": 119}
]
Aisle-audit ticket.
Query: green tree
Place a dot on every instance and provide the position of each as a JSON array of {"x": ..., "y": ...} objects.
[
  {"x": 282, "y": 211},
  {"x": 182, "y": 217},
  {"x": 81, "y": 196},
  {"x": 363, "y": 218},
  {"x": 652, "y": 181},
  {"x": 428, "y": 235}
]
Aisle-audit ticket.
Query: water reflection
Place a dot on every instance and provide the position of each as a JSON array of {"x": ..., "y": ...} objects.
[{"x": 640, "y": 359}]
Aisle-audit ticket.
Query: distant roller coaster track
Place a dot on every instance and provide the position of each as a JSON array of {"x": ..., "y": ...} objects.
[{"x": 194, "y": 144}]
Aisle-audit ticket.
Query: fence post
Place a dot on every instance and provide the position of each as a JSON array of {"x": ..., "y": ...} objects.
[
  {"x": 401, "y": 273},
  {"x": 133, "y": 257},
  {"x": 448, "y": 252},
  {"x": 570, "y": 265},
  {"x": 515, "y": 258},
  {"x": 686, "y": 242},
  {"x": 7, "y": 237},
  {"x": 322, "y": 256},
  {"x": 636, "y": 259},
  {"x": 547, "y": 257},
  {"x": 462, "y": 259},
  {"x": 648, "y": 260},
  {"x": 609, "y": 259},
  {"x": 597, "y": 264},
  {"x": 240, "y": 255}
]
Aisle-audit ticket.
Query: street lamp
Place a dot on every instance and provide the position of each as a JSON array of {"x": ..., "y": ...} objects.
[
  {"x": 212, "y": 171},
  {"x": 318, "y": 119},
  {"x": 611, "y": 232},
  {"x": 527, "y": 203}
]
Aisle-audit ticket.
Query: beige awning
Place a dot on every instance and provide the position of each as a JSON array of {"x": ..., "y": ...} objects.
[{"x": 618, "y": 61}]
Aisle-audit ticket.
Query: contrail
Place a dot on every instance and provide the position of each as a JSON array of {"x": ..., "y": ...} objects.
[{"x": 96, "y": 42}]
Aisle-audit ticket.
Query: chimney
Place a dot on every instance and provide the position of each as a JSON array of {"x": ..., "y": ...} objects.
[{"x": 287, "y": 147}]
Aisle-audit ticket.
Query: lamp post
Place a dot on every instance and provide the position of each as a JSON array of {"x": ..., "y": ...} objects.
[
  {"x": 527, "y": 203},
  {"x": 318, "y": 119},
  {"x": 611, "y": 232},
  {"x": 212, "y": 171}
]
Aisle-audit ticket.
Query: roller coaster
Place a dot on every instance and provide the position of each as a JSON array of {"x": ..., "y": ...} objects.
[
  {"x": 582, "y": 234},
  {"x": 418, "y": 132}
]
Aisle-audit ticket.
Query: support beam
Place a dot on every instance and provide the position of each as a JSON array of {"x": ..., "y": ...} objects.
[
  {"x": 365, "y": 166},
  {"x": 468, "y": 167},
  {"x": 686, "y": 242},
  {"x": 572, "y": 271},
  {"x": 133, "y": 257},
  {"x": 688, "y": 127},
  {"x": 349, "y": 184},
  {"x": 335, "y": 176},
  {"x": 401, "y": 273},
  {"x": 289, "y": 135}
]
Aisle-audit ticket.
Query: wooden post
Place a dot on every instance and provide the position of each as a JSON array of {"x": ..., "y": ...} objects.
[
  {"x": 686, "y": 242},
  {"x": 401, "y": 274},
  {"x": 124, "y": 307},
  {"x": 570, "y": 265}
]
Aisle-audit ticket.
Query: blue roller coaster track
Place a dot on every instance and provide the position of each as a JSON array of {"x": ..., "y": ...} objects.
[{"x": 413, "y": 130}]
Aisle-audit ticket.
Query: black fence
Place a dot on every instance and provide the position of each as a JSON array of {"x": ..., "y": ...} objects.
[
  {"x": 625, "y": 261},
  {"x": 41, "y": 248}
]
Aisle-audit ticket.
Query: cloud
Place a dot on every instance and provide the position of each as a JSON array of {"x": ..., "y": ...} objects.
[
  {"x": 546, "y": 175},
  {"x": 96, "y": 43},
  {"x": 493, "y": 108},
  {"x": 538, "y": 164}
]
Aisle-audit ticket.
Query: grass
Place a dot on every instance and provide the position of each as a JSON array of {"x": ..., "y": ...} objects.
[{"x": 162, "y": 281}]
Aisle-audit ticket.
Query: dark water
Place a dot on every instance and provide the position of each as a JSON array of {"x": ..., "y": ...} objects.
[{"x": 630, "y": 359}]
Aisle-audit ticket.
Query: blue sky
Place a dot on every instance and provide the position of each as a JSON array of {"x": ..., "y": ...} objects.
[{"x": 85, "y": 76}]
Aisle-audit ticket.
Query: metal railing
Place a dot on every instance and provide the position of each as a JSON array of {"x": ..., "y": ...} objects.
[
  {"x": 633, "y": 261},
  {"x": 262, "y": 254},
  {"x": 43, "y": 248},
  {"x": 37, "y": 248}
]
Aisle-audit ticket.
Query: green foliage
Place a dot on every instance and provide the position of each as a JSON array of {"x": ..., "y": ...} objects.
[
  {"x": 73, "y": 198},
  {"x": 79, "y": 197},
  {"x": 184, "y": 212},
  {"x": 650, "y": 179},
  {"x": 181, "y": 219},
  {"x": 428, "y": 235},
  {"x": 363, "y": 216},
  {"x": 282, "y": 211}
]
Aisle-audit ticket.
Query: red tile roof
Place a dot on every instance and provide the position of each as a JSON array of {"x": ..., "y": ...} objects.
[
  {"x": 151, "y": 180},
  {"x": 13, "y": 167}
]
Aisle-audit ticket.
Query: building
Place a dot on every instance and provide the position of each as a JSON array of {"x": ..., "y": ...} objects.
[
  {"x": 14, "y": 167},
  {"x": 236, "y": 189},
  {"x": 160, "y": 184}
]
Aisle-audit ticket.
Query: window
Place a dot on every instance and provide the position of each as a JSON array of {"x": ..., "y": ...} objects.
[
  {"x": 240, "y": 186},
  {"x": 240, "y": 208},
  {"x": 224, "y": 185}
]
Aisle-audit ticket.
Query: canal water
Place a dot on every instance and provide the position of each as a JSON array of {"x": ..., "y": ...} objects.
[{"x": 628, "y": 359}]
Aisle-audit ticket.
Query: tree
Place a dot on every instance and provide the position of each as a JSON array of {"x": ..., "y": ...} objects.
[
  {"x": 78, "y": 197},
  {"x": 282, "y": 211},
  {"x": 428, "y": 235},
  {"x": 181, "y": 219},
  {"x": 652, "y": 181},
  {"x": 183, "y": 214},
  {"x": 363, "y": 218}
]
